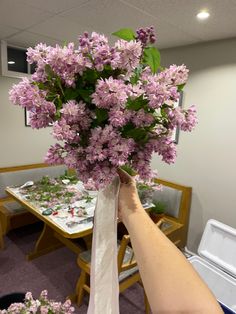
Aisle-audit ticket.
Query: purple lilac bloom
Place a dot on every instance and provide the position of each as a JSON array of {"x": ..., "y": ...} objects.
[
  {"x": 75, "y": 158},
  {"x": 42, "y": 116},
  {"x": 141, "y": 163},
  {"x": 16, "y": 308},
  {"x": 146, "y": 35},
  {"x": 54, "y": 155},
  {"x": 26, "y": 95},
  {"x": 98, "y": 48},
  {"x": 119, "y": 117},
  {"x": 175, "y": 117},
  {"x": 146, "y": 74},
  {"x": 38, "y": 55},
  {"x": 174, "y": 75},
  {"x": 165, "y": 147},
  {"x": 190, "y": 119},
  {"x": 77, "y": 113},
  {"x": 66, "y": 306},
  {"x": 62, "y": 131},
  {"x": 140, "y": 118},
  {"x": 135, "y": 91},
  {"x": 101, "y": 173},
  {"x": 66, "y": 62},
  {"x": 28, "y": 296},
  {"x": 90, "y": 185},
  {"x": 130, "y": 54},
  {"x": 107, "y": 144},
  {"x": 159, "y": 93},
  {"x": 102, "y": 53},
  {"x": 110, "y": 92},
  {"x": 86, "y": 44}
]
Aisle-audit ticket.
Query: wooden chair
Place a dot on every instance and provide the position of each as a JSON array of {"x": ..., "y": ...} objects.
[
  {"x": 127, "y": 269},
  {"x": 1, "y": 237},
  {"x": 177, "y": 199},
  {"x": 12, "y": 214}
]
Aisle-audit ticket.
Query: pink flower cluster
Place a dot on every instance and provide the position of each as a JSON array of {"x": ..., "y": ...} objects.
[
  {"x": 40, "y": 306},
  {"x": 107, "y": 106},
  {"x": 146, "y": 35}
]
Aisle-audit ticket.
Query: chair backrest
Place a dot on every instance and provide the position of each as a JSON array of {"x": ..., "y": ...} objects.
[
  {"x": 125, "y": 255},
  {"x": 20, "y": 174},
  {"x": 177, "y": 199}
]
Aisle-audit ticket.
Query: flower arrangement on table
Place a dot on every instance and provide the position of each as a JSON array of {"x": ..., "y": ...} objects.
[
  {"x": 109, "y": 106},
  {"x": 42, "y": 305},
  {"x": 59, "y": 196}
]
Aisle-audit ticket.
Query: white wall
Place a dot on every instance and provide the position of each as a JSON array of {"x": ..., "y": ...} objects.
[
  {"x": 20, "y": 145},
  {"x": 206, "y": 157}
]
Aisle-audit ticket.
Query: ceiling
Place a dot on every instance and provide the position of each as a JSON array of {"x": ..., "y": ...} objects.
[{"x": 27, "y": 22}]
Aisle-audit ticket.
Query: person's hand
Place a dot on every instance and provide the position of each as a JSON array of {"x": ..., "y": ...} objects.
[{"x": 129, "y": 201}]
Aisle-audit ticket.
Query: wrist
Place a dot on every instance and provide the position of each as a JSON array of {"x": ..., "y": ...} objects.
[{"x": 129, "y": 214}]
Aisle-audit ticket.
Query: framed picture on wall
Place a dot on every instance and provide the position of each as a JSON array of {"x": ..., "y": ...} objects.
[
  {"x": 27, "y": 118},
  {"x": 176, "y": 131}
]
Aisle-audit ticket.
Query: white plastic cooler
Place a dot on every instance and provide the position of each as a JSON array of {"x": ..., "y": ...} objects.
[{"x": 216, "y": 263}]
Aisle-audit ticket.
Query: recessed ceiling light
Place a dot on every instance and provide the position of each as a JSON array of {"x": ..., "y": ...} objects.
[
  {"x": 11, "y": 62},
  {"x": 203, "y": 15}
]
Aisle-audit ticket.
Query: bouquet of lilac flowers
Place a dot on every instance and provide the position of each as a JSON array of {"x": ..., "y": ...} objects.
[
  {"x": 109, "y": 106},
  {"x": 40, "y": 306}
]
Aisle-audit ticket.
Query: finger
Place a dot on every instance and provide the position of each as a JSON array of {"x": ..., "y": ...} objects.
[{"x": 124, "y": 176}]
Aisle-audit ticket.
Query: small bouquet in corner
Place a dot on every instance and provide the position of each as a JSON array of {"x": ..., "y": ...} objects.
[{"x": 42, "y": 305}]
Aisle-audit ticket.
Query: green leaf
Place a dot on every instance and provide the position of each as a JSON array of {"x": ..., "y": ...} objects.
[
  {"x": 90, "y": 76},
  {"x": 129, "y": 170},
  {"x": 152, "y": 57},
  {"x": 159, "y": 207},
  {"x": 138, "y": 134},
  {"x": 181, "y": 87},
  {"x": 49, "y": 71},
  {"x": 85, "y": 94},
  {"x": 136, "y": 104},
  {"x": 101, "y": 114},
  {"x": 125, "y": 33},
  {"x": 41, "y": 85},
  {"x": 71, "y": 93},
  {"x": 58, "y": 83},
  {"x": 134, "y": 78}
]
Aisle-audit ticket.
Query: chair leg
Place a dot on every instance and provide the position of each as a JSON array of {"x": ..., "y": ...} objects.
[
  {"x": 80, "y": 287},
  {"x": 147, "y": 306}
]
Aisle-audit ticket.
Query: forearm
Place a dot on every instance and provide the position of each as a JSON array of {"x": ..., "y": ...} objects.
[{"x": 170, "y": 282}]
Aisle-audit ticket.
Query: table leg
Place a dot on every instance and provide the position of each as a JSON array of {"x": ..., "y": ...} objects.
[
  {"x": 88, "y": 241},
  {"x": 45, "y": 243}
]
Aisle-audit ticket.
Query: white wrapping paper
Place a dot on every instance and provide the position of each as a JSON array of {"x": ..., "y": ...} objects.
[{"x": 104, "y": 285}]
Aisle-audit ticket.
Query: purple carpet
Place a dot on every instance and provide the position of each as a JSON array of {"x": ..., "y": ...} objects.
[{"x": 57, "y": 272}]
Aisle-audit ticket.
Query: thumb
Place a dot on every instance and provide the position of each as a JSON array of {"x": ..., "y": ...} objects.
[{"x": 124, "y": 176}]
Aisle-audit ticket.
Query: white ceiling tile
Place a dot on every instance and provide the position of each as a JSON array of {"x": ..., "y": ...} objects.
[
  {"x": 6, "y": 31},
  {"x": 59, "y": 28},
  {"x": 62, "y": 20},
  {"x": 109, "y": 16},
  {"x": 17, "y": 14},
  {"x": 55, "y": 6},
  {"x": 28, "y": 39},
  {"x": 182, "y": 15}
]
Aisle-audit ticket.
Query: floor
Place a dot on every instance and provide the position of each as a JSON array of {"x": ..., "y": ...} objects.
[{"x": 57, "y": 272}]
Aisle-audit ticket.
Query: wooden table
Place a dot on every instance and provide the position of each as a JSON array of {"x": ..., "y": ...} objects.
[{"x": 52, "y": 235}]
